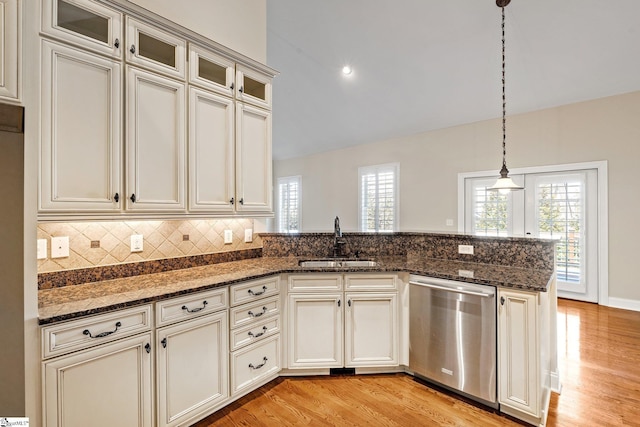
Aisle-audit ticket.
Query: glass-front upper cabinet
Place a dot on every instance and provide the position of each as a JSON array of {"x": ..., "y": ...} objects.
[
  {"x": 84, "y": 23},
  {"x": 155, "y": 49},
  {"x": 211, "y": 71},
  {"x": 253, "y": 87}
]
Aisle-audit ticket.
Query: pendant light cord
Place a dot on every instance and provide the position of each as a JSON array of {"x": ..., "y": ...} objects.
[{"x": 504, "y": 101}]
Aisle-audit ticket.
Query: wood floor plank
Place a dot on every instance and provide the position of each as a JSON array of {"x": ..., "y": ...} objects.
[{"x": 599, "y": 360}]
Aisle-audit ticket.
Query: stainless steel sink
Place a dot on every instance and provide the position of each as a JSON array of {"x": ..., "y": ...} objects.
[{"x": 331, "y": 263}]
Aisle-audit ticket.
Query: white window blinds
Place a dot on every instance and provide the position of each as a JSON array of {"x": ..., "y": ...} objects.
[
  {"x": 378, "y": 198},
  {"x": 289, "y": 204}
]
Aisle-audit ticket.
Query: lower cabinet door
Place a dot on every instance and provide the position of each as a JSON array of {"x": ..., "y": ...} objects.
[
  {"x": 255, "y": 363},
  {"x": 371, "y": 329},
  {"x": 110, "y": 385},
  {"x": 315, "y": 331},
  {"x": 192, "y": 368}
]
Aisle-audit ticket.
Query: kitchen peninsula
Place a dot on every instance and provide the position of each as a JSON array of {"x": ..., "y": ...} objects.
[{"x": 241, "y": 312}]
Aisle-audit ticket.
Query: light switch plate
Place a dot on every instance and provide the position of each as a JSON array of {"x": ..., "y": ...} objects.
[
  {"x": 465, "y": 249},
  {"x": 137, "y": 243},
  {"x": 228, "y": 237},
  {"x": 60, "y": 247},
  {"x": 42, "y": 249},
  {"x": 248, "y": 235}
]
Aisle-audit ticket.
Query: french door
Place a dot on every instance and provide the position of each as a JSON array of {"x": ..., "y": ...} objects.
[{"x": 554, "y": 205}]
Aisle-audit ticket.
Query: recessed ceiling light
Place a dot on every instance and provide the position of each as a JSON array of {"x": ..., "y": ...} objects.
[{"x": 347, "y": 70}]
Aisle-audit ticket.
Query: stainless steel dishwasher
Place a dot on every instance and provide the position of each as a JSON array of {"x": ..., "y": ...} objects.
[{"x": 452, "y": 336}]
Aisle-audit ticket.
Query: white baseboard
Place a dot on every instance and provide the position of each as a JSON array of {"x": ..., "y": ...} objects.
[
  {"x": 556, "y": 385},
  {"x": 626, "y": 304}
]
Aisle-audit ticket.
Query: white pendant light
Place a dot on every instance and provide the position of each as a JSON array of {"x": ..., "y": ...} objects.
[{"x": 504, "y": 184}]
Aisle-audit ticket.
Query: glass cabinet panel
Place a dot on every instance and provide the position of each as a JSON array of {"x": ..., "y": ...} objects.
[
  {"x": 82, "y": 21},
  {"x": 211, "y": 71},
  {"x": 254, "y": 88},
  {"x": 157, "y": 50}
]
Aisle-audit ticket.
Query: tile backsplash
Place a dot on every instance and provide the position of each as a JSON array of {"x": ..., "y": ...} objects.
[{"x": 162, "y": 239}]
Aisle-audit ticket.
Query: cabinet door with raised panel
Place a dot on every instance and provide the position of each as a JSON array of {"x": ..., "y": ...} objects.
[
  {"x": 156, "y": 146},
  {"x": 371, "y": 329},
  {"x": 192, "y": 368},
  {"x": 81, "y": 136},
  {"x": 9, "y": 52},
  {"x": 211, "y": 156},
  {"x": 109, "y": 385},
  {"x": 315, "y": 330},
  {"x": 517, "y": 351},
  {"x": 253, "y": 160},
  {"x": 84, "y": 23}
]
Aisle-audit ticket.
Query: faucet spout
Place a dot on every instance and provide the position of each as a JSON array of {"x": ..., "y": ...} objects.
[{"x": 336, "y": 227}]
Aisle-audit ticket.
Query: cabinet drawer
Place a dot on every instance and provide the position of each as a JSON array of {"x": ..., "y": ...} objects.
[
  {"x": 254, "y": 312},
  {"x": 315, "y": 282},
  {"x": 370, "y": 282},
  {"x": 255, "y": 363},
  {"x": 181, "y": 308},
  {"x": 255, "y": 332},
  {"x": 90, "y": 331},
  {"x": 254, "y": 290}
]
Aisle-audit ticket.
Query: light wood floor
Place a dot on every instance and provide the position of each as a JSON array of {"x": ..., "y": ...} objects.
[{"x": 600, "y": 369}]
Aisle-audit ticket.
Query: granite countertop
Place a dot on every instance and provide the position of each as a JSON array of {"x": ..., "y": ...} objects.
[{"x": 69, "y": 302}]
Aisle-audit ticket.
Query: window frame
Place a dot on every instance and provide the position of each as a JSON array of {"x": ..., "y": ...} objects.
[
  {"x": 377, "y": 169},
  {"x": 297, "y": 179}
]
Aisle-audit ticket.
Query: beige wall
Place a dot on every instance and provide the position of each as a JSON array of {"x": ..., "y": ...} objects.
[
  {"x": 603, "y": 129},
  {"x": 237, "y": 24}
]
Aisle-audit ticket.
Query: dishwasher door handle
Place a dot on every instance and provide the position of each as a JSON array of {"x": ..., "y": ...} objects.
[{"x": 447, "y": 289}]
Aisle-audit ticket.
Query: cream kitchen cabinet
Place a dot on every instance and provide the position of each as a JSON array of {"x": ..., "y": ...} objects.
[
  {"x": 523, "y": 355},
  {"x": 10, "y": 34},
  {"x": 155, "y": 49},
  {"x": 81, "y": 140},
  {"x": 192, "y": 367},
  {"x": 329, "y": 328},
  {"x": 84, "y": 23},
  {"x": 255, "y": 334},
  {"x": 156, "y": 142},
  {"x": 103, "y": 374}
]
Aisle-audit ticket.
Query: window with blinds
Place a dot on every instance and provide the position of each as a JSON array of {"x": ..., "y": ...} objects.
[
  {"x": 488, "y": 212},
  {"x": 378, "y": 189},
  {"x": 289, "y": 204}
]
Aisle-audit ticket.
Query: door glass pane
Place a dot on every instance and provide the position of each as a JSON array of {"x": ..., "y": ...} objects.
[
  {"x": 254, "y": 88},
  {"x": 560, "y": 214},
  {"x": 211, "y": 71},
  {"x": 156, "y": 50},
  {"x": 83, "y": 22},
  {"x": 490, "y": 212}
]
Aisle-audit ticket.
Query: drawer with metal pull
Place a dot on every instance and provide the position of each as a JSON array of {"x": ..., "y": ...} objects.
[
  {"x": 253, "y": 312},
  {"x": 255, "y": 363},
  {"x": 90, "y": 331},
  {"x": 254, "y": 332},
  {"x": 254, "y": 290},
  {"x": 181, "y": 308}
]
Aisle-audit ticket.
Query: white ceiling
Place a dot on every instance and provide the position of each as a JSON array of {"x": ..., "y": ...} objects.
[{"x": 421, "y": 65}]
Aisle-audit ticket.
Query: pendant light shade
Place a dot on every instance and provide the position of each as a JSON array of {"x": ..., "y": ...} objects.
[{"x": 504, "y": 184}]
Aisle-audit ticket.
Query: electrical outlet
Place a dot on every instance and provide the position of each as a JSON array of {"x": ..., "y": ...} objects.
[
  {"x": 449, "y": 222},
  {"x": 465, "y": 249},
  {"x": 466, "y": 273},
  {"x": 137, "y": 243},
  {"x": 42, "y": 249},
  {"x": 60, "y": 247},
  {"x": 228, "y": 237},
  {"x": 248, "y": 235}
]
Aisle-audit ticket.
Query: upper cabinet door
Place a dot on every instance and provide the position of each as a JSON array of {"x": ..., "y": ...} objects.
[
  {"x": 81, "y": 131},
  {"x": 155, "y": 142},
  {"x": 155, "y": 49},
  {"x": 253, "y": 159},
  {"x": 253, "y": 87},
  {"x": 211, "y": 71},
  {"x": 9, "y": 53},
  {"x": 211, "y": 166},
  {"x": 84, "y": 23}
]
